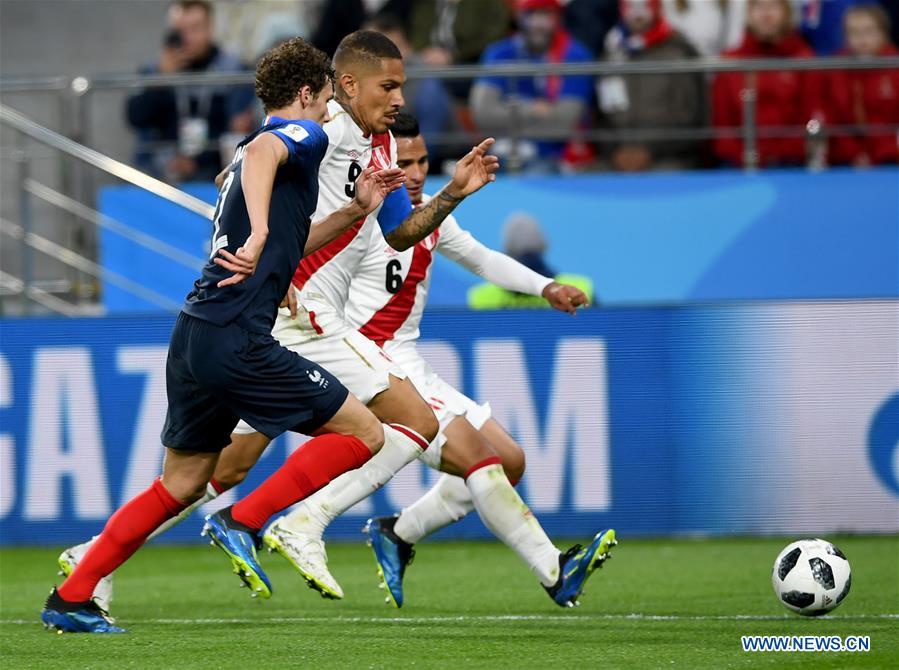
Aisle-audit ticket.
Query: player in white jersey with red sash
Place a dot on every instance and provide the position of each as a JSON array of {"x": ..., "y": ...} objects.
[
  {"x": 386, "y": 302},
  {"x": 369, "y": 75}
]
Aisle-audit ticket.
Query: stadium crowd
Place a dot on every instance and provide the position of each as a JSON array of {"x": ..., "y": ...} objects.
[{"x": 183, "y": 133}]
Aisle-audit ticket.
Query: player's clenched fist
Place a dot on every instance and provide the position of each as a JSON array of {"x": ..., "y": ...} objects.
[{"x": 243, "y": 262}]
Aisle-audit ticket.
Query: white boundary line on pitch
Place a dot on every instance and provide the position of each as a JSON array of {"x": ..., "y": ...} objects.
[{"x": 499, "y": 617}]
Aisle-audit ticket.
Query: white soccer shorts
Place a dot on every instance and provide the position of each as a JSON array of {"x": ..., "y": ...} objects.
[
  {"x": 445, "y": 400},
  {"x": 319, "y": 334}
]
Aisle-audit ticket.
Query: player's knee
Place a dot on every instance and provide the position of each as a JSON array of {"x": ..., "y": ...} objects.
[
  {"x": 371, "y": 432},
  {"x": 186, "y": 491},
  {"x": 228, "y": 478},
  {"x": 423, "y": 422},
  {"x": 513, "y": 464}
]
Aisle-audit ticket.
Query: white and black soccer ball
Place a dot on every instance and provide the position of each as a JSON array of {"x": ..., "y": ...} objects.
[{"x": 811, "y": 577}]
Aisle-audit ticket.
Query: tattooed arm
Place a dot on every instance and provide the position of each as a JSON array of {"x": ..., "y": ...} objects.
[
  {"x": 424, "y": 220},
  {"x": 475, "y": 170}
]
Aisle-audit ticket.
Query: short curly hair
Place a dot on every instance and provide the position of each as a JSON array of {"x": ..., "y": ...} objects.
[{"x": 287, "y": 68}]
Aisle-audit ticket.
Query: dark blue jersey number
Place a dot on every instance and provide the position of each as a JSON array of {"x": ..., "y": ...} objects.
[
  {"x": 352, "y": 176},
  {"x": 393, "y": 281}
]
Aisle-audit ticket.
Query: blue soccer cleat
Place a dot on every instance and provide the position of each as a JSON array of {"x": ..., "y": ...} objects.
[
  {"x": 576, "y": 565},
  {"x": 239, "y": 543},
  {"x": 392, "y": 555},
  {"x": 84, "y": 617}
]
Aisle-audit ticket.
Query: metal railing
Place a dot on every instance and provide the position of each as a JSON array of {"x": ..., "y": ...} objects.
[
  {"x": 35, "y": 131},
  {"x": 25, "y": 286},
  {"x": 75, "y": 101},
  {"x": 78, "y": 91},
  {"x": 83, "y": 84}
]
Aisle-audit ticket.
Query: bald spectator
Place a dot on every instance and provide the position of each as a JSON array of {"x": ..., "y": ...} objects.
[{"x": 524, "y": 241}]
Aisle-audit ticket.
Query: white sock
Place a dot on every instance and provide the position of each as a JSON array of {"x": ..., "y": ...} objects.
[
  {"x": 313, "y": 515},
  {"x": 448, "y": 501},
  {"x": 210, "y": 494},
  {"x": 504, "y": 512}
]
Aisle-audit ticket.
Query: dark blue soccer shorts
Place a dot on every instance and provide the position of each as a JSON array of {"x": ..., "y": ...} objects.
[{"x": 216, "y": 375}]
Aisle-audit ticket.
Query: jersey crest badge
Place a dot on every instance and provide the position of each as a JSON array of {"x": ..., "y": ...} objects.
[
  {"x": 379, "y": 159},
  {"x": 295, "y": 132}
]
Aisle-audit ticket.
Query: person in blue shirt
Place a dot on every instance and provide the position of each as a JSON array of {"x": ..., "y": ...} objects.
[
  {"x": 534, "y": 106},
  {"x": 223, "y": 363}
]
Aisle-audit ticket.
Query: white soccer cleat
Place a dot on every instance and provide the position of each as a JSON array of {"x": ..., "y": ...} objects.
[
  {"x": 67, "y": 561},
  {"x": 307, "y": 554}
]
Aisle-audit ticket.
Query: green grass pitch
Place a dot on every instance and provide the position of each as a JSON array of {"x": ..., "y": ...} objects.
[{"x": 658, "y": 604}]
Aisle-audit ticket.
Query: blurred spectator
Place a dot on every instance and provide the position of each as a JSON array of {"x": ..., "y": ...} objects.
[
  {"x": 862, "y": 97},
  {"x": 589, "y": 21},
  {"x": 712, "y": 26},
  {"x": 783, "y": 99},
  {"x": 249, "y": 28},
  {"x": 533, "y": 105},
  {"x": 892, "y": 9},
  {"x": 821, "y": 23},
  {"x": 524, "y": 241},
  {"x": 651, "y": 101},
  {"x": 339, "y": 18},
  {"x": 426, "y": 99},
  {"x": 177, "y": 127},
  {"x": 447, "y": 32}
]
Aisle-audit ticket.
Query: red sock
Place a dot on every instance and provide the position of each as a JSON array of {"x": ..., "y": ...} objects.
[
  {"x": 307, "y": 470},
  {"x": 123, "y": 534}
]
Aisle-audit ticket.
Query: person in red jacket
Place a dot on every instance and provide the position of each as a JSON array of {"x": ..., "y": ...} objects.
[
  {"x": 865, "y": 97},
  {"x": 782, "y": 98}
]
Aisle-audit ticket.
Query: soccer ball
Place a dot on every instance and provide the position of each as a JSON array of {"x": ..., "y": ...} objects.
[{"x": 811, "y": 577}]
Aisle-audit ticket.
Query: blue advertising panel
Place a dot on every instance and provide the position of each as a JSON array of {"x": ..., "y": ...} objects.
[
  {"x": 757, "y": 418},
  {"x": 642, "y": 239}
]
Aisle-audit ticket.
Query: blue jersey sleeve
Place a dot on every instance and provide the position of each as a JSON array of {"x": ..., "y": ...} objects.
[
  {"x": 396, "y": 207},
  {"x": 303, "y": 139}
]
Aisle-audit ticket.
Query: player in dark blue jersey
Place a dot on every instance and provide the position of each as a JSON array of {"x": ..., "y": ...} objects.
[
  {"x": 223, "y": 363},
  {"x": 251, "y": 296}
]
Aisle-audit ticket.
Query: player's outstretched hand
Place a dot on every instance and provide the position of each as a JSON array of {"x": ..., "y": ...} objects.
[
  {"x": 564, "y": 297},
  {"x": 475, "y": 170},
  {"x": 243, "y": 263},
  {"x": 372, "y": 187}
]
